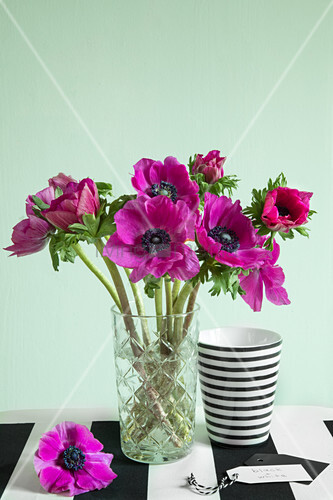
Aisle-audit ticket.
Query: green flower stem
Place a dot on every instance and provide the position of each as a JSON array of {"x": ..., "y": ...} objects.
[
  {"x": 152, "y": 394},
  {"x": 190, "y": 307},
  {"x": 118, "y": 282},
  {"x": 184, "y": 293},
  {"x": 140, "y": 308},
  {"x": 102, "y": 278},
  {"x": 158, "y": 306},
  {"x": 168, "y": 298},
  {"x": 178, "y": 309},
  {"x": 115, "y": 275},
  {"x": 175, "y": 290}
]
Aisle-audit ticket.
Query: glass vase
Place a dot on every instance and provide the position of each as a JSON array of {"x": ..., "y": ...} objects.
[{"x": 156, "y": 374}]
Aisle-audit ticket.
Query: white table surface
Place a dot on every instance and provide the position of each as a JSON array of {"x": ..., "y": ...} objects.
[{"x": 296, "y": 430}]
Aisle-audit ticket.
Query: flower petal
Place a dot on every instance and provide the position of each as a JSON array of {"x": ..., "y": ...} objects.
[
  {"x": 50, "y": 446},
  {"x": 122, "y": 254},
  {"x": 253, "y": 286},
  {"x": 72, "y": 434},
  {"x": 56, "y": 480},
  {"x": 94, "y": 475}
]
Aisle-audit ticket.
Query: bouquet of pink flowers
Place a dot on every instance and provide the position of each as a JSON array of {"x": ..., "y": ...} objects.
[
  {"x": 179, "y": 225},
  {"x": 180, "y": 229}
]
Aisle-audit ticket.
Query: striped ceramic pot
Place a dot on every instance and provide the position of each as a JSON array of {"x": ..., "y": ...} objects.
[{"x": 238, "y": 371}]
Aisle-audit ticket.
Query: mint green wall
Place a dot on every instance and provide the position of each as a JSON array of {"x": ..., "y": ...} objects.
[{"x": 88, "y": 88}]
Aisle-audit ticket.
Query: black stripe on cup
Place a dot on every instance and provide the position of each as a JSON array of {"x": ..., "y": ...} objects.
[
  {"x": 237, "y": 408},
  {"x": 240, "y": 368},
  {"x": 238, "y": 389},
  {"x": 254, "y": 378},
  {"x": 238, "y": 359},
  {"x": 239, "y": 349},
  {"x": 237, "y": 427},
  {"x": 237, "y": 399},
  {"x": 237, "y": 436},
  {"x": 237, "y": 417}
]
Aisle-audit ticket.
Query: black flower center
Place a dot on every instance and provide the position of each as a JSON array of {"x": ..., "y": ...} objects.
[
  {"x": 155, "y": 240},
  {"x": 74, "y": 458},
  {"x": 283, "y": 211},
  {"x": 228, "y": 238},
  {"x": 166, "y": 189}
]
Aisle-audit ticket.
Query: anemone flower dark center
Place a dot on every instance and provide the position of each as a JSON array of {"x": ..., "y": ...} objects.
[
  {"x": 228, "y": 238},
  {"x": 283, "y": 211},
  {"x": 74, "y": 458},
  {"x": 166, "y": 189},
  {"x": 155, "y": 240}
]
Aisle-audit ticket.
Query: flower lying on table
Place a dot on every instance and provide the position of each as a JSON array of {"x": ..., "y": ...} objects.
[{"x": 69, "y": 461}]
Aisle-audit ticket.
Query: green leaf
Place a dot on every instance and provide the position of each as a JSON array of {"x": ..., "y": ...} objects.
[
  {"x": 303, "y": 231},
  {"x": 107, "y": 226},
  {"x": 91, "y": 222},
  {"x": 58, "y": 192},
  {"x": 67, "y": 254},
  {"x": 40, "y": 204},
  {"x": 78, "y": 227},
  {"x": 151, "y": 284},
  {"x": 263, "y": 231},
  {"x": 287, "y": 236},
  {"x": 104, "y": 188},
  {"x": 54, "y": 254}
]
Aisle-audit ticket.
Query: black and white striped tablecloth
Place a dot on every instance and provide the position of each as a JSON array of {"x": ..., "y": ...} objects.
[{"x": 301, "y": 431}]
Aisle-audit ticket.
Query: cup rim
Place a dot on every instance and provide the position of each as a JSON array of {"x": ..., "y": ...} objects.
[
  {"x": 243, "y": 346},
  {"x": 115, "y": 311}
]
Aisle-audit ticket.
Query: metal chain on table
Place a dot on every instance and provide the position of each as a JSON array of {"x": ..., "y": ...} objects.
[{"x": 210, "y": 490}]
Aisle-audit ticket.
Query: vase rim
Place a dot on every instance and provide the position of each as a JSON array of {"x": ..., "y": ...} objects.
[{"x": 115, "y": 311}]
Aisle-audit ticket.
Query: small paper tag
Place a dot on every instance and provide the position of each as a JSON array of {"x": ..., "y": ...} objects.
[{"x": 270, "y": 474}]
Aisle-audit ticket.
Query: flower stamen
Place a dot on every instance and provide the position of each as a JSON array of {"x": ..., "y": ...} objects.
[
  {"x": 165, "y": 189},
  {"x": 155, "y": 240},
  {"x": 228, "y": 238},
  {"x": 74, "y": 458},
  {"x": 283, "y": 211}
]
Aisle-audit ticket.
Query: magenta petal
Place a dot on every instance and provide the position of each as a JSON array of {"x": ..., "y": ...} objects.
[
  {"x": 105, "y": 458},
  {"x": 188, "y": 267},
  {"x": 132, "y": 221},
  {"x": 30, "y": 236},
  {"x": 247, "y": 259},
  {"x": 60, "y": 218},
  {"x": 56, "y": 480},
  {"x": 210, "y": 245},
  {"x": 78, "y": 435},
  {"x": 253, "y": 286},
  {"x": 122, "y": 254},
  {"x": 94, "y": 475},
  {"x": 50, "y": 446},
  {"x": 46, "y": 195},
  {"x": 88, "y": 198},
  {"x": 61, "y": 180}
]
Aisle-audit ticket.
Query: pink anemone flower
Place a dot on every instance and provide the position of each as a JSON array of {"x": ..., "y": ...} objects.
[
  {"x": 171, "y": 179},
  {"x": 228, "y": 235},
  {"x": 29, "y": 236},
  {"x": 285, "y": 209},
  {"x": 69, "y": 461},
  {"x": 267, "y": 274},
  {"x": 150, "y": 239},
  {"x": 77, "y": 199}
]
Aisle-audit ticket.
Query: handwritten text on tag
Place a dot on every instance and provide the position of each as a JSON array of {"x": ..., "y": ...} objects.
[{"x": 270, "y": 474}]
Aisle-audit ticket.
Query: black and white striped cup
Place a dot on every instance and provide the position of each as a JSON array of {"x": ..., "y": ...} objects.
[{"x": 238, "y": 371}]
